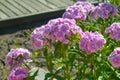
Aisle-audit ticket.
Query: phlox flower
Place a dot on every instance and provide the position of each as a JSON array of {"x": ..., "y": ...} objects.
[
  {"x": 91, "y": 42},
  {"x": 103, "y": 10},
  {"x": 86, "y": 5},
  {"x": 79, "y": 10},
  {"x": 55, "y": 30},
  {"x": 18, "y": 74},
  {"x": 38, "y": 39},
  {"x": 114, "y": 31},
  {"x": 17, "y": 56},
  {"x": 114, "y": 58}
]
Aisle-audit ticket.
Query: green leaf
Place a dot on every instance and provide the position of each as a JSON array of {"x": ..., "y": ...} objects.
[
  {"x": 49, "y": 76},
  {"x": 71, "y": 57},
  {"x": 58, "y": 77}
]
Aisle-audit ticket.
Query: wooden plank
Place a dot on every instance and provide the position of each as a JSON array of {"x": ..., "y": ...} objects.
[
  {"x": 28, "y": 7},
  {"x": 6, "y": 11},
  {"x": 11, "y": 7},
  {"x": 19, "y": 7},
  {"x": 46, "y": 3},
  {"x": 35, "y": 4},
  {"x": 67, "y": 2},
  {"x": 57, "y": 3},
  {"x": 31, "y": 4},
  {"x": 40, "y": 5},
  {"x": 2, "y": 15},
  {"x": 31, "y": 18}
]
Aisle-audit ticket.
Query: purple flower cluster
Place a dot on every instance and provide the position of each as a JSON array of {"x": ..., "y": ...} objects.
[
  {"x": 114, "y": 58},
  {"x": 79, "y": 10},
  {"x": 91, "y": 42},
  {"x": 55, "y": 30},
  {"x": 104, "y": 10},
  {"x": 38, "y": 39},
  {"x": 16, "y": 56},
  {"x": 86, "y": 5},
  {"x": 18, "y": 74},
  {"x": 114, "y": 31},
  {"x": 14, "y": 59}
]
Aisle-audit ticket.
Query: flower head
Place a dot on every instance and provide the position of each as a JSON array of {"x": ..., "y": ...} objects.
[
  {"x": 38, "y": 39},
  {"x": 114, "y": 58},
  {"x": 114, "y": 31},
  {"x": 91, "y": 42},
  {"x": 104, "y": 10},
  {"x": 86, "y": 5},
  {"x": 16, "y": 57},
  {"x": 55, "y": 30},
  {"x": 60, "y": 28},
  {"x": 18, "y": 74},
  {"x": 79, "y": 10}
]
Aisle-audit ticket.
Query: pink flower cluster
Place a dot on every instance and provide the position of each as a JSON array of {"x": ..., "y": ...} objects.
[
  {"x": 79, "y": 10},
  {"x": 14, "y": 59},
  {"x": 104, "y": 10},
  {"x": 16, "y": 56},
  {"x": 114, "y": 58},
  {"x": 91, "y": 42},
  {"x": 86, "y": 5},
  {"x": 114, "y": 31},
  {"x": 38, "y": 39},
  {"x": 55, "y": 30},
  {"x": 18, "y": 74}
]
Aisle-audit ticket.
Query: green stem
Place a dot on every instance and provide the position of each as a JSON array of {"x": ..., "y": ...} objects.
[
  {"x": 26, "y": 65},
  {"x": 67, "y": 68},
  {"x": 82, "y": 67},
  {"x": 113, "y": 72},
  {"x": 48, "y": 60},
  {"x": 94, "y": 66},
  {"x": 79, "y": 69},
  {"x": 80, "y": 24},
  {"x": 64, "y": 55}
]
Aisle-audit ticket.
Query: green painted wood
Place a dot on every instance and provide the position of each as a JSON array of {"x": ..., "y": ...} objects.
[
  {"x": 26, "y": 6},
  {"x": 11, "y": 7},
  {"x": 18, "y": 20},
  {"x": 40, "y": 5},
  {"x": 6, "y": 10},
  {"x": 30, "y": 10},
  {"x": 2, "y": 15},
  {"x": 31, "y": 4},
  {"x": 57, "y": 3},
  {"x": 19, "y": 7},
  {"x": 46, "y": 3},
  {"x": 67, "y": 2}
]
